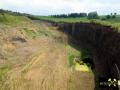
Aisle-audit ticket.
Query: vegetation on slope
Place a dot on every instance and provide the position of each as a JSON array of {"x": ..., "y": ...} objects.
[{"x": 11, "y": 20}]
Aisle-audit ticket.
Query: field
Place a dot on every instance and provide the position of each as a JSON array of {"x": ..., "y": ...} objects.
[
  {"x": 62, "y": 19},
  {"x": 35, "y": 56},
  {"x": 114, "y": 22}
]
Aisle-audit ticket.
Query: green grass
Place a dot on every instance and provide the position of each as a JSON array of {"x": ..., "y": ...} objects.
[
  {"x": 63, "y": 19},
  {"x": 81, "y": 19},
  {"x": 29, "y": 32},
  {"x": 72, "y": 53},
  {"x": 114, "y": 22},
  {"x": 11, "y": 20},
  {"x": 83, "y": 68},
  {"x": 32, "y": 33},
  {"x": 3, "y": 76}
]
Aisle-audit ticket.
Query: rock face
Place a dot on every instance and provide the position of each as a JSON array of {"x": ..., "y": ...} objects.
[{"x": 102, "y": 41}]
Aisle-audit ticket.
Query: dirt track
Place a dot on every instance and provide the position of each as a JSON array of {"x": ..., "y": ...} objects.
[{"x": 47, "y": 67}]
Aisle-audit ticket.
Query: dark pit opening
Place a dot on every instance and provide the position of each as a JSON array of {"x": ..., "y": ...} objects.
[{"x": 89, "y": 62}]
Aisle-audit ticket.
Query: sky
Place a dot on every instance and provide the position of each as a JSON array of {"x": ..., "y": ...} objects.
[{"x": 52, "y": 7}]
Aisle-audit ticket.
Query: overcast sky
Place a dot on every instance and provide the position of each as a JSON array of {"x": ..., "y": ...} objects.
[{"x": 48, "y": 7}]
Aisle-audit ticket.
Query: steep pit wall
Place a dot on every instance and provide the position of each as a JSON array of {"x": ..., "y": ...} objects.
[{"x": 102, "y": 41}]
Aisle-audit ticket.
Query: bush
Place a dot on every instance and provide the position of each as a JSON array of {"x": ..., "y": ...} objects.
[
  {"x": 113, "y": 16},
  {"x": 108, "y": 16}
]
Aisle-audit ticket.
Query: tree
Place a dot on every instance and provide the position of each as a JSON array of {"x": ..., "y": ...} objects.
[
  {"x": 92, "y": 15},
  {"x": 73, "y": 15},
  {"x": 113, "y": 16},
  {"x": 108, "y": 16},
  {"x": 82, "y": 14}
]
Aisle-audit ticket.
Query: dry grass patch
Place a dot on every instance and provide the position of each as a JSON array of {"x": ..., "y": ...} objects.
[{"x": 9, "y": 46}]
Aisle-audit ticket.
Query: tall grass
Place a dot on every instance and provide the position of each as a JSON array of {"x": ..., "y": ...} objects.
[
  {"x": 3, "y": 76},
  {"x": 11, "y": 20}
]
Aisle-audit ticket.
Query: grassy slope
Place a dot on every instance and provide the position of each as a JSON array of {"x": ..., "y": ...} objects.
[
  {"x": 10, "y": 19},
  {"x": 40, "y": 63},
  {"x": 10, "y": 27}
]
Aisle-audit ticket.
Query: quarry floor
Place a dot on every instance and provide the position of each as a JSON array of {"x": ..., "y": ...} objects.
[{"x": 39, "y": 61}]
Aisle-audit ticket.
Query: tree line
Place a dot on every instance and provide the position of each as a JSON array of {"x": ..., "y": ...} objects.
[
  {"x": 112, "y": 15},
  {"x": 73, "y": 15},
  {"x": 90, "y": 15}
]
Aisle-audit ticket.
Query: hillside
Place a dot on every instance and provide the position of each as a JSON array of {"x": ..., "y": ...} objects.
[
  {"x": 35, "y": 56},
  {"x": 12, "y": 20}
]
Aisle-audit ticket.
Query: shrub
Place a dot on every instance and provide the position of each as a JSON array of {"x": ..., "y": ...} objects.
[
  {"x": 108, "y": 16},
  {"x": 113, "y": 16}
]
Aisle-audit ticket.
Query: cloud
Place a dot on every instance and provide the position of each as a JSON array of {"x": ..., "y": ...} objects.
[{"x": 47, "y": 7}]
